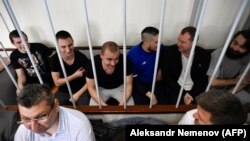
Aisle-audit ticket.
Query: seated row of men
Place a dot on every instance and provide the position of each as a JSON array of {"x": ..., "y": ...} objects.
[
  {"x": 139, "y": 72},
  {"x": 42, "y": 118}
]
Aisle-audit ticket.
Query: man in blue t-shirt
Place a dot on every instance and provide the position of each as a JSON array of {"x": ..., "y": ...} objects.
[{"x": 142, "y": 58}]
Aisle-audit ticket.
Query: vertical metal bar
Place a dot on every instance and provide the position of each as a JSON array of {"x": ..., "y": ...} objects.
[
  {"x": 247, "y": 23},
  {"x": 236, "y": 21},
  {"x": 195, "y": 13},
  {"x": 124, "y": 51},
  {"x": 5, "y": 23},
  {"x": 241, "y": 78},
  {"x": 9, "y": 73},
  {"x": 2, "y": 104},
  {"x": 58, "y": 51},
  {"x": 85, "y": 11},
  {"x": 5, "y": 51},
  {"x": 191, "y": 56},
  {"x": 13, "y": 18},
  {"x": 158, "y": 50}
]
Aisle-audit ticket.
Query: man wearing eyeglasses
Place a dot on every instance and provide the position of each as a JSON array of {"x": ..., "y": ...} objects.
[{"x": 43, "y": 119}]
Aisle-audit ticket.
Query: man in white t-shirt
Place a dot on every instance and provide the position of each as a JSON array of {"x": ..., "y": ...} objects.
[{"x": 216, "y": 107}]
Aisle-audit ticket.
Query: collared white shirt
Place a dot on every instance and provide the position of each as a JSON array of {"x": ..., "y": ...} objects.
[
  {"x": 188, "y": 85},
  {"x": 73, "y": 126}
]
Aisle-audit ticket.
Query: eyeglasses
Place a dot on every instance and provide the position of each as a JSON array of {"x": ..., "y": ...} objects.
[{"x": 38, "y": 120}]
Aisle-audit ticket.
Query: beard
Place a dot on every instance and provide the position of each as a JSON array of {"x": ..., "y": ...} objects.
[{"x": 230, "y": 53}]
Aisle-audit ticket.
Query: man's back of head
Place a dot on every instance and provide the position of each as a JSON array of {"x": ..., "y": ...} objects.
[{"x": 224, "y": 108}]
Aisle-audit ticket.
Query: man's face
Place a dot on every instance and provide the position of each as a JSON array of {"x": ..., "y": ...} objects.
[
  {"x": 184, "y": 44},
  {"x": 109, "y": 60},
  {"x": 236, "y": 49},
  {"x": 39, "y": 118},
  {"x": 17, "y": 42},
  {"x": 202, "y": 117},
  {"x": 66, "y": 47},
  {"x": 152, "y": 43}
]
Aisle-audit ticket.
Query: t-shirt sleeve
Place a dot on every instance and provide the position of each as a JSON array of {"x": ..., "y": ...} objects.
[
  {"x": 84, "y": 60},
  {"x": 129, "y": 67},
  {"x": 214, "y": 60},
  {"x": 55, "y": 65},
  {"x": 48, "y": 51},
  {"x": 14, "y": 60},
  {"x": 89, "y": 70}
]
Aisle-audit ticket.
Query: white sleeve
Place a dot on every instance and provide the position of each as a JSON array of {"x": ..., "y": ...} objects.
[{"x": 188, "y": 118}]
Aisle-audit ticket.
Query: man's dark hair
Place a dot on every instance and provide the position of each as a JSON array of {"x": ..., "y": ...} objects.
[
  {"x": 191, "y": 30},
  {"x": 149, "y": 32},
  {"x": 224, "y": 108},
  {"x": 62, "y": 34},
  {"x": 32, "y": 94},
  {"x": 246, "y": 35},
  {"x": 14, "y": 34}
]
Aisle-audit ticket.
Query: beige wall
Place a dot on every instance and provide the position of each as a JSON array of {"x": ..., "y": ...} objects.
[{"x": 105, "y": 19}]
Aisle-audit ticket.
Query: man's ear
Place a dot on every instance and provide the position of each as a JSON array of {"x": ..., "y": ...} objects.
[{"x": 101, "y": 55}]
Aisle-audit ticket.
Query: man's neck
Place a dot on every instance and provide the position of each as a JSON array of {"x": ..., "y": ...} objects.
[
  {"x": 186, "y": 54},
  {"x": 145, "y": 48},
  {"x": 53, "y": 128},
  {"x": 68, "y": 59}
]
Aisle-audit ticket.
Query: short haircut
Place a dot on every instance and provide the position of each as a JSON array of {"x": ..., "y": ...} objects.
[
  {"x": 62, "y": 34},
  {"x": 225, "y": 108},
  {"x": 148, "y": 32},
  {"x": 14, "y": 34},
  {"x": 246, "y": 35},
  {"x": 111, "y": 46},
  {"x": 190, "y": 30},
  {"x": 32, "y": 94}
]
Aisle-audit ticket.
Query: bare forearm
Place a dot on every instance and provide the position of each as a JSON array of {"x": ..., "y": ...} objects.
[
  {"x": 224, "y": 82},
  {"x": 93, "y": 94},
  {"x": 62, "y": 81},
  {"x": 128, "y": 92},
  {"x": 81, "y": 91},
  {"x": 241, "y": 87}
]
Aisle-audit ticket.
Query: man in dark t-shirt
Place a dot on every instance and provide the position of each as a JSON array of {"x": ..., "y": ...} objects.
[
  {"x": 109, "y": 71},
  {"x": 22, "y": 64},
  {"x": 74, "y": 63}
]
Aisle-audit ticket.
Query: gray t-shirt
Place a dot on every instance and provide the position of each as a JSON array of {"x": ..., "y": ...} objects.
[{"x": 229, "y": 68}]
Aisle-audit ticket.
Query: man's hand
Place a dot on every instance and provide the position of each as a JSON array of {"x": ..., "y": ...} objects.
[
  {"x": 154, "y": 100},
  {"x": 74, "y": 98},
  {"x": 188, "y": 99},
  {"x": 79, "y": 72}
]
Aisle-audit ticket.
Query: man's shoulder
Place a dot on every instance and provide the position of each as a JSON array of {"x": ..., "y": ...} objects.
[
  {"x": 73, "y": 113},
  {"x": 80, "y": 54},
  {"x": 21, "y": 133},
  {"x": 171, "y": 47},
  {"x": 247, "y": 57},
  {"x": 54, "y": 57},
  {"x": 202, "y": 52},
  {"x": 38, "y": 45},
  {"x": 217, "y": 51},
  {"x": 170, "y": 51},
  {"x": 188, "y": 118},
  {"x": 14, "y": 52}
]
